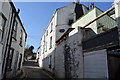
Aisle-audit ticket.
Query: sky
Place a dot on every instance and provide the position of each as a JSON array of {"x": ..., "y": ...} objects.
[{"x": 35, "y": 17}]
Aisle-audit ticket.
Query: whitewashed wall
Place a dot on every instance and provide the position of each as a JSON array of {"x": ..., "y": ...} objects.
[
  {"x": 49, "y": 61},
  {"x": 60, "y": 20},
  {"x": 18, "y": 50},
  {"x": 60, "y": 61},
  {"x": 68, "y": 56},
  {"x": 5, "y": 9},
  {"x": 64, "y": 15}
]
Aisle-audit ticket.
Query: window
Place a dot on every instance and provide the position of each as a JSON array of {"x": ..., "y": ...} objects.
[
  {"x": 10, "y": 59},
  {"x": 21, "y": 36},
  {"x": 46, "y": 32},
  {"x": 43, "y": 48},
  {"x": 51, "y": 27},
  {"x": 50, "y": 63},
  {"x": 44, "y": 39},
  {"x": 19, "y": 64},
  {"x": 3, "y": 22},
  {"x": 46, "y": 46},
  {"x": 50, "y": 42},
  {"x": 15, "y": 30}
]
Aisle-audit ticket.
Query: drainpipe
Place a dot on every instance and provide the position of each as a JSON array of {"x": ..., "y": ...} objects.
[
  {"x": 6, "y": 44},
  {"x": 117, "y": 11},
  {"x": 9, "y": 40}
]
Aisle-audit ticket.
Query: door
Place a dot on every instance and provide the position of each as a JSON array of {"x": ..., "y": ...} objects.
[{"x": 114, "y": 64}]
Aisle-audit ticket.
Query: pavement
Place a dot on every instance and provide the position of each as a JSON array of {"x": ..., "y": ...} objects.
[{"x": 31, "y": 70}]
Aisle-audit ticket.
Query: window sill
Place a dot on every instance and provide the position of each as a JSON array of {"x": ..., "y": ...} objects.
[
  {"x": 14, "y": 38},
  {"x": 20, "y": 44}
]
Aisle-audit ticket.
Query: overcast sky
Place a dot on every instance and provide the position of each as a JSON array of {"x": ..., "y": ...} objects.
[{"x": 35, "y": 17}]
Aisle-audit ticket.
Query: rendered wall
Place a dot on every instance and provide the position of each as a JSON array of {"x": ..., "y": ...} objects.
[{"x": 69, "y": 58}]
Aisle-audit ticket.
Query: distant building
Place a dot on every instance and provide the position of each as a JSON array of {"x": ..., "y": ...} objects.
[{"x": 12, "y": 40}]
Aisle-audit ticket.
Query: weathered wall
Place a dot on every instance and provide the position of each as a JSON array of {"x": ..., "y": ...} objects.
[
  {"x": 45, "y": 40},
  {"x": 4, "y": 10},
  {"x": 60, "y": 61},
  {"x": 68, "y": 57},
  {"x": 1, "y": 45},
  {"x": 48, "y": 62},
  {"x": 95, "y": 64},
  {"x": 18, "y": 54},
  {"x": 59, "y": 20}
]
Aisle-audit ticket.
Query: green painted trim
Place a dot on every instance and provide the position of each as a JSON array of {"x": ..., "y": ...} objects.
[
  {"x": 106, "y": 14},
  {"x": 90, "y": 11}
]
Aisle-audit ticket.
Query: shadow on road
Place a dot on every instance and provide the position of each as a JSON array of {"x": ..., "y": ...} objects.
[{"x": 32, "y": 71}]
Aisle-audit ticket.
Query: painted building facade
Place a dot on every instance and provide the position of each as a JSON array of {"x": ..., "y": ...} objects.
[
  {"x": 79, "y": 49},
  {"x": 13, "y": 38},
  {"x": 58, "y": 25}
]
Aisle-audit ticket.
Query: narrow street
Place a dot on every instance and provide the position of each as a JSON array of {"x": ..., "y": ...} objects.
[{"x": 32, "y": 71}]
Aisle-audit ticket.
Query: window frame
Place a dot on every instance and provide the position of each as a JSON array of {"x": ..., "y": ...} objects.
[
  {"x": 3, "y": 26},
  {"x": 15, "y": 30},
  {"x": 21, "y": 38},
  {"x": 50, "y": 42},
  {"x": 51, "y": 27}
]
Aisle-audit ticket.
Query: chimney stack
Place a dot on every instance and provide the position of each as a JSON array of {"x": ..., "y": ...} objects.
[{"x": 92, "y": 5}]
